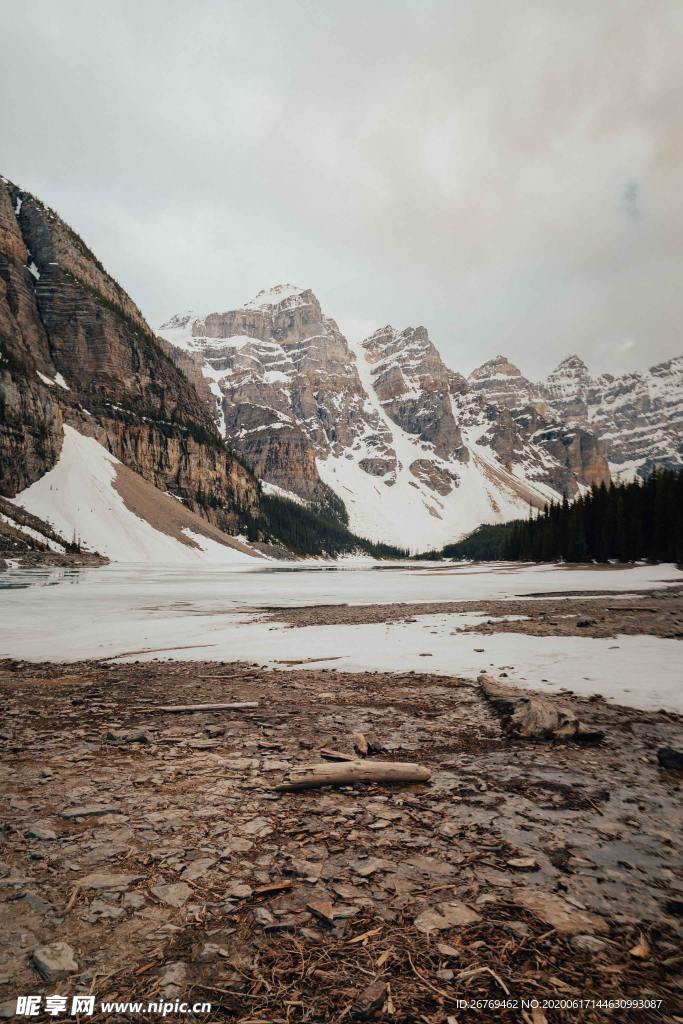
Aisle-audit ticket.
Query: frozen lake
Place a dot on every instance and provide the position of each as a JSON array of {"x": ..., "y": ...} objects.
[{"x": 136, "y": 611}]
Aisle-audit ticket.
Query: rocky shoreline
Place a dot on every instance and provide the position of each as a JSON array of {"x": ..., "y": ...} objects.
[{"x": 154, "y": 847}]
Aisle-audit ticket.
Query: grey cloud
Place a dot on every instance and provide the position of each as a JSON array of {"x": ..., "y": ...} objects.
[{"x": 506, "y": 174}]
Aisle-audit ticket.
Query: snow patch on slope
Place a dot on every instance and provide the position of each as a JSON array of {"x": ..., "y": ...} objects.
[{"x": 77, "y": 496}]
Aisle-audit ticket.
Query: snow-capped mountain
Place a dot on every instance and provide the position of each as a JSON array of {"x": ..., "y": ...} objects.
[
  {"x": 638, "y": 416},
  {"x": 417, "y": 454}
]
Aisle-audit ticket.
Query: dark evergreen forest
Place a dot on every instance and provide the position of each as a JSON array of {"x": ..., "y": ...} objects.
[
  {"x": 622, "y": 522},
  {"x": 307, "y": 532}
]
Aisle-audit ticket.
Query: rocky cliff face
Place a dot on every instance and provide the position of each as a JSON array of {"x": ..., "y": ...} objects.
[
  {"x": 30, "y": 413},
  {"x": 74, "y": 348},
  {"x": 638, "y": 416},
  {"x": 414, "y": 386},
  {"x": 502, "y": 385},
  {"x": 417, "y": 453},
  {"x": 286, "y": 387},
  {"x": 522, "y": 428}
]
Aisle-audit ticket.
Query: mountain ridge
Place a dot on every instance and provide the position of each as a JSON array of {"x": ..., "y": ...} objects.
[
  {"x": 494, "y": 439},
  {"x": 231, "y": 411}
]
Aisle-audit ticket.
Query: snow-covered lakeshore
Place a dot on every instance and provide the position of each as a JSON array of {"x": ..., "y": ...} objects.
[{"x": 144, "y": 612}]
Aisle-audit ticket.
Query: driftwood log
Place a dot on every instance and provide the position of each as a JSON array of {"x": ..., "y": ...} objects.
[
  {"x": 532, "y": 717},
  {"x": 179, "y": 708},
  {"x": 345, "y": 773}
]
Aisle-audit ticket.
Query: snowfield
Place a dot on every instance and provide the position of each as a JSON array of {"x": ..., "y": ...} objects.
[{"x": 202, "y": 613}]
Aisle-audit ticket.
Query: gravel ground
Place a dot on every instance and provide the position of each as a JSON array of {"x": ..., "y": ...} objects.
[
  {"x": 147, "y": 841},
  {"x": 650, "y": 612}
]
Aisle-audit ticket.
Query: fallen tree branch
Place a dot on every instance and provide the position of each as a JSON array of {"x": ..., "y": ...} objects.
[
  {"x": 345, "y": 773},
  {"x": 178, "y": 708}
]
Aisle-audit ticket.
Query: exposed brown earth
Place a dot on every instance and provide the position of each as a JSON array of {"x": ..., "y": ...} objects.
[
  {"x": 146, "y": 841},
  {"x": 165, "y": 513},
  {"x": 652, "y": 612}
]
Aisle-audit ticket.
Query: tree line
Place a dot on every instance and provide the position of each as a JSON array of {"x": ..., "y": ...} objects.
[
  {"x": 307, "y": 532},
  {"x": 625, "y": 522}
]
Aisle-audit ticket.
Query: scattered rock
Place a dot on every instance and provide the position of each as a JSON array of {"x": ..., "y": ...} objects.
[
  {"x": 54, "y": 961},
  {"x": 322, "y": 910},
  {"x": 134, "y": 900},
  {"x": 522, "y": 863},
  {"x": 609, "y": 830},
  {"x": 256, "y": 827},
  {"x": 238, "y": 890},
  {"x": 172, "y": 981},
  {"x": 101, "y": 911},
  {"x": 173, "y": 894},
  {"x": 198, "y": 868},
  {"x": 88, "y": 810},
  {"x": 369, "y": 999},
  {"x": 448, "y": 915},
  {"x": 38, "y": 831},
  {"x": 37, "y": 903},
  {"x": 559, "y": 913},
  {"x": 130, "y": 736},
  {"x": 670, "y": 759}
]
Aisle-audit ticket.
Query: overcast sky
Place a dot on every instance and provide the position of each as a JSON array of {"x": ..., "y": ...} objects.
[{"x": 509, "y": 174}]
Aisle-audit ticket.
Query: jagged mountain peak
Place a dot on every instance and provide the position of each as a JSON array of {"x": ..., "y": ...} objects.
[
  {"x": 569, "y": 376},
  {"x": 279, "y": 293},
  {"x": 498, "y": 366},
  {"x": 572, "y": 362}
]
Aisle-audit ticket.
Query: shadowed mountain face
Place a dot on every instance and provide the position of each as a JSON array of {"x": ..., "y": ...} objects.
[
  {"x": 75, "y": 349},
  {"x": 417, "y": 453}
]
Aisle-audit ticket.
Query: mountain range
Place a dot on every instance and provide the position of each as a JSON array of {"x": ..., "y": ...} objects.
[
  {"x": 418, "y": 453},
  {"x": 193, "y": 441}
]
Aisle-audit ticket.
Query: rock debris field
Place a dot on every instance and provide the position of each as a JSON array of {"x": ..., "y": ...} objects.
[{"x": 148, "y": 855}]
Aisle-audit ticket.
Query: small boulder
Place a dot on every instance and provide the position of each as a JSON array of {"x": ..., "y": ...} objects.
[
  {"x": 446, "y": 915},
  {"x": 173, "y": 980},
  {"x": 54, "y": 961},
  {"x": 174, "y": 894},
  {"x": 129, "y": 736},
  {"x": 197, "y": 868},
  {"x": 523, "y": 863},
  {"x": 40, "y": 831},
  {"x": 670, "y": 759},
  {"x": 370, "y": 999},
  {"x": 588, "y": 944}
]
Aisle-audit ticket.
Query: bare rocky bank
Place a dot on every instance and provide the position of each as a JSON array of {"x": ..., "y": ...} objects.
[{"x": 154, "y": 845}]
